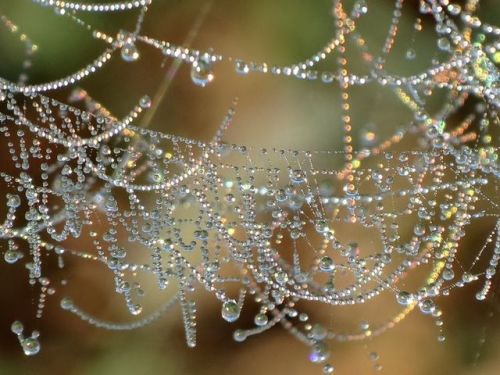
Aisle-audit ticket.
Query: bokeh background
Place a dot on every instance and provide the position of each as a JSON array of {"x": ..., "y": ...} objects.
[{"x": 272, "y": 111}]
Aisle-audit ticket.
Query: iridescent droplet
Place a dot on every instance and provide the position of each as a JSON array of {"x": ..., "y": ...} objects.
[
  {"x": 319, "y": 353},
  {"x": 145, "y": 101},
  {"x": 30, "y": 345},
  {"x": 202, "y": 71},
  {"x": 129, "y": 52}
]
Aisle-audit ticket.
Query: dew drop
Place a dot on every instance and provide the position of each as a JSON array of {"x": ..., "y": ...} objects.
[
  {"x": 242, "y": 67},
  {"x": 129, "y": 52},
  {"x": 319, "y": 353},
  {"x": 327, "y": 77},
  {"x": 30, "y": 345},
  {"x": 410, "y": 54},
  {"x": 326, "y": 264},
  {"x": 11, "y": 256},
  {"x": 454, "y": 9},
  {"x": 66, "y": 304},
  {"x": 443, "y": 44},
  {"x": 318, "y": 332},
  {"x": 201, "y": 71},
  {"x": 239, "y": 335},
  {"x": 230, "y": 311},
  {"x": 427, "y": 306},
  {"x": 145, "y": 101},
  {"x": 360, "y": 7},
  {"x": 13, "y": 200},
  {"x": 404, "y": 298},
  {"x": 322, "y": 226},
  {"x": 261, "y": 320},
  {"x": 17, "y": 327},
  {"x": 297, "y": 176},
  {"x": 328, "y": 369}
]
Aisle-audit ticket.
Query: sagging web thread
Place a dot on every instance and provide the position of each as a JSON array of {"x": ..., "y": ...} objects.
[{"x": 269, "y": 223}]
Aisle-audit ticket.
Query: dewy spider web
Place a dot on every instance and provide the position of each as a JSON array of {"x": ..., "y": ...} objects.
[{"x": 267, "y": 222}]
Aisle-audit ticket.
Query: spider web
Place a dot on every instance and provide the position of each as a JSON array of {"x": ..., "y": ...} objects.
[{"x": 278, "y": 224}]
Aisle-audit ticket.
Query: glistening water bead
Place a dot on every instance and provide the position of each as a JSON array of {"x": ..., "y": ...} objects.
[
  {"x": 202, "y": 71},
  {"x": 145, "y": 102},
  {"x": 404, "y": 298},
  {"x": 261, "y": 320},
  {"x": 230, "y": 311},
  {"x": 30, "y": 345},
  {"x": 129, "y": 52}
]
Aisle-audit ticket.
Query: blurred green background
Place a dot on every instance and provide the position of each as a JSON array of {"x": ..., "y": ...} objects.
[{"x": 272, "y": 111}]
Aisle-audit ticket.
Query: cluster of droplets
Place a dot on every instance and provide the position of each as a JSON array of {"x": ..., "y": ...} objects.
[
  {"x": 30, "y": 345},
  {"x": 220, "y": 215}
]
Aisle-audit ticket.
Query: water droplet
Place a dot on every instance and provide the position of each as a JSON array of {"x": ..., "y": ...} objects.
[
  {"x": 242, "y": 67},
  {"x": 145, "y": 101},
  {"x": 374, "y": 356},
  {"x": 326, "y": 264},
  {"x": 11, "y": 256},
  {"x": 13, "y": 200},
  {"x": 17, "y": 327},
  {"x": 404, "y": 298},
  {"x": 318, "y": 332},
  {"x": 427, "y": 306},
  {"x": 201, "y": 71},
  {"x": 319, "y": 353},
  {"x": 135, "y": 309},
  {"x": 410, "y": 54},
  {"x": 201, "y": 235},
  {"x": 322, "y": 226},
  {"x": 327, "y": 77},
  {"x": 297, "y": 176},
  {"x": 230, "y": 311},
  {"x": 443, "y": 44},
  {"x": 369, "y": 134},
  {"x": 30, "y": 345},
  {"x": 239, "y": 335},
  {"x": 448, "y": 274},
  {"x": 66, "y": 303},
  {"x": 281, "y": 277},
  {"x": 261, "y": 320},
  {"x": 328, "y": 369},
  {"x": 360, "y": 7},
  {"x": 129, "y": 52},
  {"x": 454, "y": 9}
]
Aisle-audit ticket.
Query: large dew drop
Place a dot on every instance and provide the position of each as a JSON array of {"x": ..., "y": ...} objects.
[
  {"x": 404, "y": 298},
  {"x": 201, "y": 71},
  {"x": 230, "y": 311},
  {"x": 30, "y": 345},
  {"x": 129, "y": 52}
]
